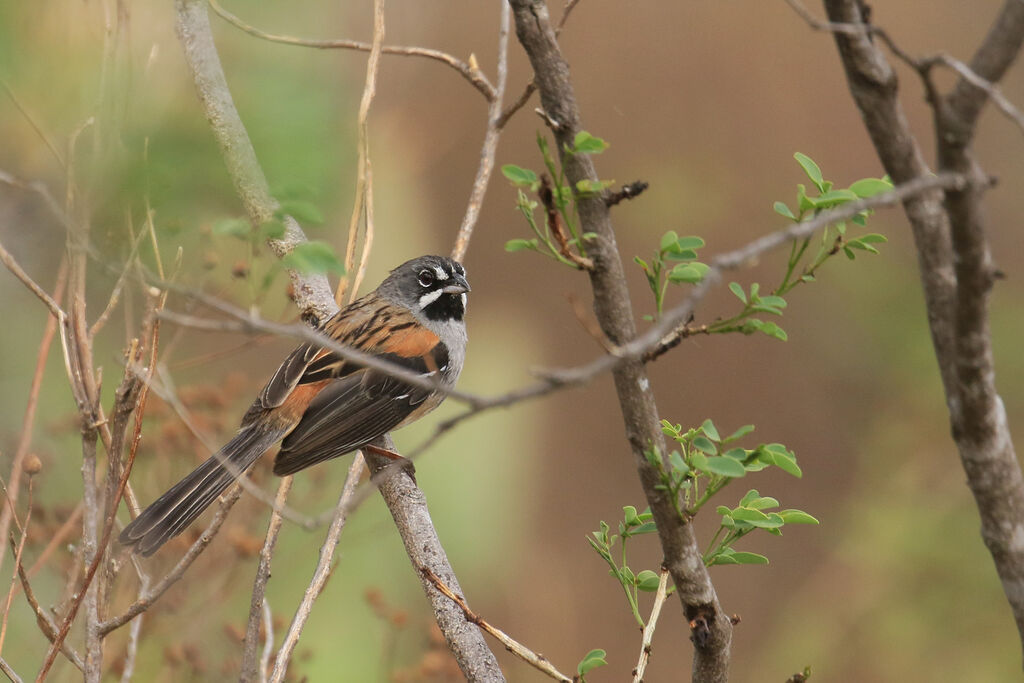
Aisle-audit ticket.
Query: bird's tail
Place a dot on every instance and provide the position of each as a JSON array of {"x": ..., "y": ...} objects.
[{"x": 177, "y": 508}]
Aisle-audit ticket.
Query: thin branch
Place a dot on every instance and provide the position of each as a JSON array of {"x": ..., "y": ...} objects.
[
  {"x": 259, "y": 601},
  {"x": 489, "y": 149},
  {"x": 362, "y": 210},
  {"x": 9, "y": 672},
  {"x": 534, "y": 659},
  {"x": 28, "y": 422},
  {"x": 17, "y": 563},
  {"x": 16, "y": 270},
  {"x": 471, "y": 74},
  {"x": 44, "y": 620},
  {"x": 312, "y": 293},
  {"x": 150, "y": 596},
  {"x": 648, "y": 634},
  {"x": 320, "y": 575}
]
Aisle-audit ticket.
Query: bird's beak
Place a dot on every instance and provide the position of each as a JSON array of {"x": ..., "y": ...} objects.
[{"x": 459, "y": 285}]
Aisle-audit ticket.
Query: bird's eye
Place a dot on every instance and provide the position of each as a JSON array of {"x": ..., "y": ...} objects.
[{"x": 426, "y": 278}]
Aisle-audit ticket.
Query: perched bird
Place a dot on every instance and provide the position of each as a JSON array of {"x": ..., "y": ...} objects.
[{"x": 320, "y": 405}]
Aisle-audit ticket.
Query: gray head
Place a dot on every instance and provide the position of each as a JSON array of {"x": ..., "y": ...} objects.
[{"x": 432, "y": 287}]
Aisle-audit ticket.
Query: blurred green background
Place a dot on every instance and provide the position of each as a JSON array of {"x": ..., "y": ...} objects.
[{"x": 707, "y": 101}]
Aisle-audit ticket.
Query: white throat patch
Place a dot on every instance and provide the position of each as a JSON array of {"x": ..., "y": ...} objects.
[{"x": 430, "y": 297}]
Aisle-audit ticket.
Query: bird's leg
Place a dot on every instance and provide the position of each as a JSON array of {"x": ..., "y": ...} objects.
[{"x": 397, "y": 460}]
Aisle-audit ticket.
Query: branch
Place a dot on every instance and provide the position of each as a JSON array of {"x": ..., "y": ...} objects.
[
  {"x": 648, "y": 635},
  {"x": 150, "y": 596},
  {"x": 320, "y": 575},
  {"x": 490, "y": 146},
  {"x": 537, "y": 661},
  {"x": 315, "y": 300},
  {"x": 312, "y": 293},
  {"x": 408, "y": 507},
  {"x": 956, "y": 269},
  {"x": 614, "y": 312},
  {"x": 470, "y": 73}
]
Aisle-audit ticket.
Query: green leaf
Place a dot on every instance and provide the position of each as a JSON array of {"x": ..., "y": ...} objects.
[
  {"x": 723, "y": 510},
  {"x": 676, "y": 254},
  {"x": 783, "y": 210},
  {"x": 302, "y": 211},
  {"x": 763, "y": 503},
  {"x": 708, "y": 427},
  {"x": 834, "y": 198},
  {"x": 803, "y": 201},
  {"x": 705, "y": 445},
  {"x": 585, "y": 143},
  {"x": 784, "y": 460},
  {"x": 757, "y": 518},
  {"x": 668, "y": 240},
  {"x": 677, "y": 462},
  {"x": 751, "y": 495},
  {"x": 737, "y": 289},
  {"x": 736, "y": 454},
  {"x": 688, "y": 272},
  {"x": 773, "y": 330},
  {"x": 236, "y": 227},
  {"x": 869, "y": 187},
  {"x": 313, "y": 257},
  {"x": 590, "y": 661},
  {"x": 860, "y": 219},
  {"x": 690, "y": 242},
  {"x": 630, "y": 516},
  {"x": 773, "y": 301},
  {"x": 726, "y": 467},
  {"x": 647, "y": 581},
  {"x": 521, "y": 177},
  {"x": 797, "y": 517},
  {"x": 873, "y": 238},
  {"x": 645, "y": 528},
  {"x": 739, "y": 433},
  {"x": 748, "y": 558},
  {"x": 811, "y": 169},
  {"x": 520, "y": 244}
]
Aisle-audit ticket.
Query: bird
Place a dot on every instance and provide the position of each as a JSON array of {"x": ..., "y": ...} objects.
[{"x": 320, "y": 405}]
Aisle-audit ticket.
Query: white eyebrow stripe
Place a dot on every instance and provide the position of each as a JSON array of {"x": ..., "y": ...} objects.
[
  {"x": 429, "y": 298},
  {"x": 441, "y": 273}
]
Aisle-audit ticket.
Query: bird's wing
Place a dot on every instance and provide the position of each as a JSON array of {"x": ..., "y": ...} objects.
[{"x": 339, "y": 405}]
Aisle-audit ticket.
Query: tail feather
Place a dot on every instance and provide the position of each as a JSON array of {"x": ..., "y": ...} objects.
[{"x": 168, "y": 516}]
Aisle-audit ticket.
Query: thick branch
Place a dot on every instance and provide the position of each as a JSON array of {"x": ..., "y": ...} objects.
[
  {"x": 614, "y": 313},
  {"x": 956, "y": 270},
  {"x": 315, "y": 299}
]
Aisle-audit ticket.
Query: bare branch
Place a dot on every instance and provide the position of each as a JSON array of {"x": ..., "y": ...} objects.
[
  {"x": 259, "y": 590},
  {"x": 490, "y": 146},
  {"x": 320, "y": 574},
  {"x": 362, "y": 207},
  {"x": 648, "y": 635},
  {"x": 536, "y": 660},
  {"x": 16, "y": 270},
  {"x": 312, "y": 292},
  {"x": 471, "y": 74},
  {"x": 9, "y": 672},
  {"x": 149, "y": 596}
]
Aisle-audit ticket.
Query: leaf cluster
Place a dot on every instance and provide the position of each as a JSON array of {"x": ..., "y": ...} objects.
[{"x": 563, "y": 197}]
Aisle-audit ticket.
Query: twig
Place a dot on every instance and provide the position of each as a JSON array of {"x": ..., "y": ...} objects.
[
  {"x": 44, "y": 620},
  {"x": 27, "y": 423},
  {"x": 268, "y": 640},
  {"x": 473, "y": 75},
  {"x": 148, "y": 597},
  {"x": 16, "y": 270},
  {"x": 259, "y": 601},
  {"x": 323, "y": 568},
  {"x": 35, "y": 126},
  {"x": 490, "y": 146},
  {"x": 648, "y": 634},
  {"x": 630, "y": 191},
  {"x": 9, "y": 672},
  {"x": 361, "y": 207},
  {"x": 547, "y": 199},
  {"x": 312, "y": 293},
  {"x": 17, "y": 563},
  {"x": 537, "y": 661},
  {"x": 531, "y": 87}
]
